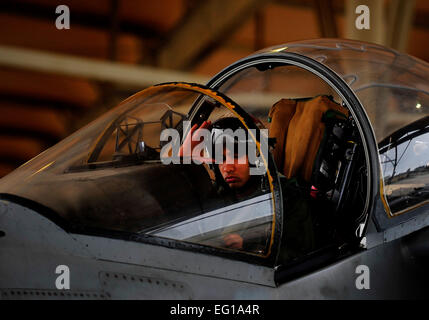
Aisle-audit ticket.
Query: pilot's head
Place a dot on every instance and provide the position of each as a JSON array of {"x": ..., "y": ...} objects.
[{"x": 234, "y": 167}]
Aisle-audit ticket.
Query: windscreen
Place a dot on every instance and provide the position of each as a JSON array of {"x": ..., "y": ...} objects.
[{"x": 131, "y": 171}]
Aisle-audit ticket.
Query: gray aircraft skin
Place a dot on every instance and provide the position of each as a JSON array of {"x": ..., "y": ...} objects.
[{"x": 126, "y": 226}]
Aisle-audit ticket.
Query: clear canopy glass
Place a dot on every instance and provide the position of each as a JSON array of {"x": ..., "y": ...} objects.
[
  {"x": 110, "y": 176},
  {"x": 392, "y": 87}
]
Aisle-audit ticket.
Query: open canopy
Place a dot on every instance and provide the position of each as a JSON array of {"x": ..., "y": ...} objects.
[{"x": 385, "y": 90}]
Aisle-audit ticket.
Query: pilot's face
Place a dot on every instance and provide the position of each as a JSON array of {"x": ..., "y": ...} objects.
[{"x": 234, "y": 169}]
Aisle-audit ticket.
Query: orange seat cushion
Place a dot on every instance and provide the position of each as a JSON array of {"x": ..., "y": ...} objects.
[{"x": 298, "y": 128}]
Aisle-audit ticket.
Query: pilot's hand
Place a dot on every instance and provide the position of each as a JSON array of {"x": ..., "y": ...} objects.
[
  {"x": 191, "y": 141},
  {"x": 233, "y": 241}
]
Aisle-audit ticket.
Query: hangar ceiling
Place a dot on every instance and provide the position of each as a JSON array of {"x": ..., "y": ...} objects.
[{"x": 53, "y": 82}]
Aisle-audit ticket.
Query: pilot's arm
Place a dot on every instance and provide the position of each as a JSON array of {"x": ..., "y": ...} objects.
[{"x": 191, "y": 141}]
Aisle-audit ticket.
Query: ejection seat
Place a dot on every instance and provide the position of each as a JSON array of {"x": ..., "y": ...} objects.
[
  {"x": 299, "y": 126},
  {"x": 309, "y": 147}
]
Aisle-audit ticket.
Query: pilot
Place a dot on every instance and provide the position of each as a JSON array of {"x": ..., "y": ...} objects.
[
  {"x": 233, "y": 181},
  {"x": 232, "y": 173},
  {"x": 234, "y": 167}
]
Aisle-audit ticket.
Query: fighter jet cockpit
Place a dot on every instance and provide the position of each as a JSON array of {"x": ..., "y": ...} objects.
[
  {"x": 321, "y": 153},
  {"x": 370, "y": 166},
  {"x": 123, "y": 174},
  {"x": 127, "y": 174}
]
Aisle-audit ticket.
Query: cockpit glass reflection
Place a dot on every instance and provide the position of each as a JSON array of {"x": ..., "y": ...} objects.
[
  {"x": 115, "y": 174},
  {"x": 404, "y": 158}
]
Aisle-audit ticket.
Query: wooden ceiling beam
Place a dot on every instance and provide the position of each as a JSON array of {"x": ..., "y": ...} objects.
[
  {"x": 400, "y": 21},
  {"x": 421, "y": 17},
  {"x": 208, "y": 25},
  {"x": 98, "y": 70},
  {"x": 38, "y": 103},
  {"x": 45, "y": 139},
  {"x": 19, "y": 148},
  {"x": 90, "y": 20},
  {"x": 51, "y": 123},
  {"x": 41, "y": 89},
  {"x": 326, "y": 18}
]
